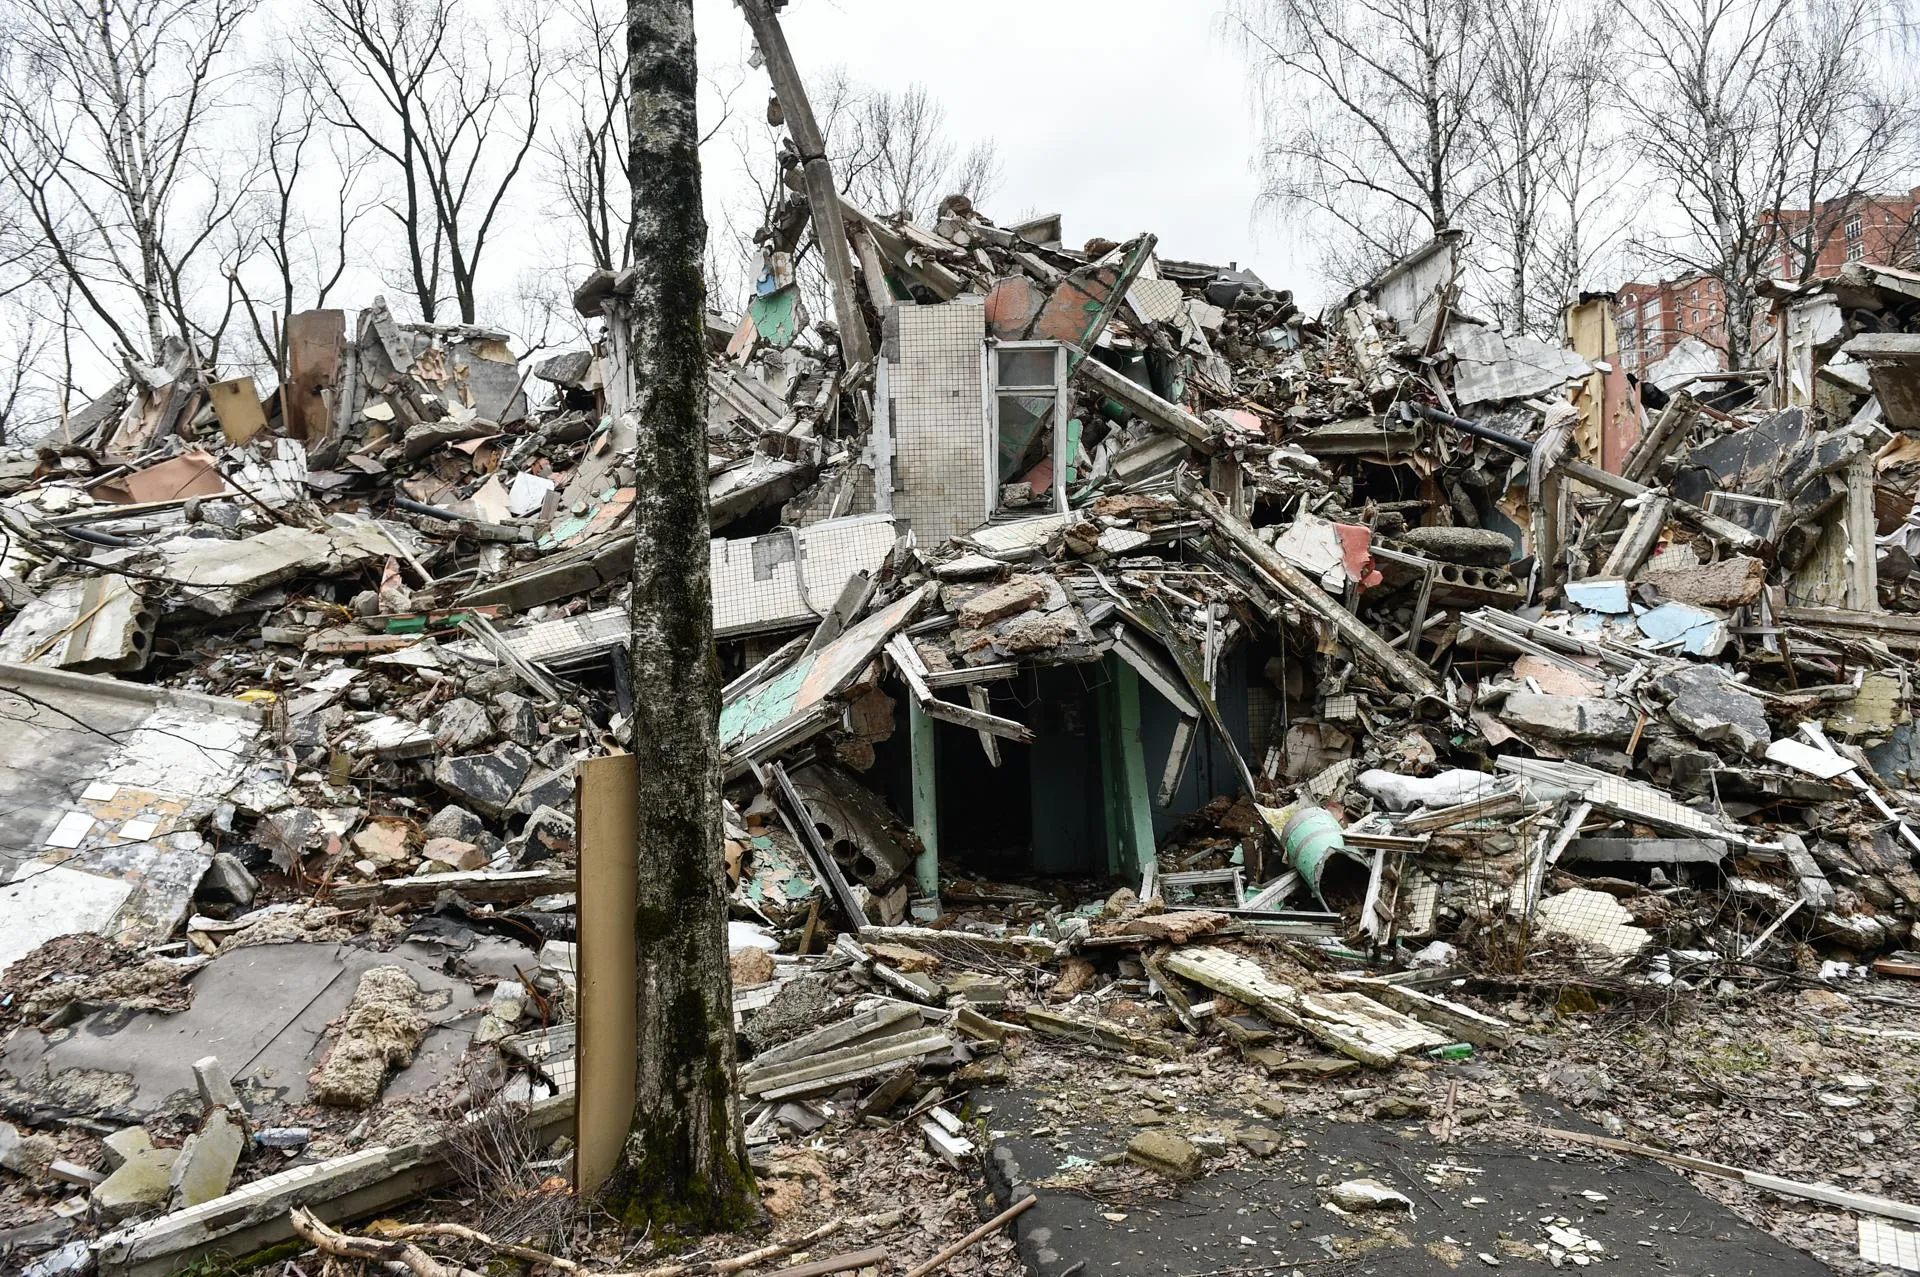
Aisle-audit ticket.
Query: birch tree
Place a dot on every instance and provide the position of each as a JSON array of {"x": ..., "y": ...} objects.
[
  {"x": 1744, "y": 108},
  {"x": 1540, "y": 118},
  {"x": 108, "y": 110},
  {"x": 1366, "y": 117},
  {"x": 686, "y": 1165}
]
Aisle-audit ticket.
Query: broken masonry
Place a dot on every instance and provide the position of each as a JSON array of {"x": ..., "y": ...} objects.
[{"x": 1090, "y": 618}]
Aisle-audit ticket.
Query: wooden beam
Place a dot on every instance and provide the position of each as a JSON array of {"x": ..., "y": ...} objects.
[
  {"x": 1825, "y": 1194},
  {"x": 1101, "y": 1033},
  {"x": 487, "y": 885},
  {"x": 1637, "y": 542},
  {"x": 1685, "y": 511},
  {"x": 830, "y": 229},
  {"x": 1170, "y": 417},
  {"x": 1411, "y": 673},
  {"x": 913, "y": 672},
  {"x": 1863, "y": 567},
  {"x": 978, "y": 698}
]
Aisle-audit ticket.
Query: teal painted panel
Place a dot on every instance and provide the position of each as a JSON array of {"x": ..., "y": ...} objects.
[
  {"x": 777, "y": 316},
  {"x": 766, "y": 706}
]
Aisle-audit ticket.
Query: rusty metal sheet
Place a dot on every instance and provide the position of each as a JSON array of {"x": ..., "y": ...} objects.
[{"x": 315, "y": 340}]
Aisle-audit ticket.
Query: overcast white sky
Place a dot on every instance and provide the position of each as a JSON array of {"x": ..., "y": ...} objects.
[{"x": 1121, "y": 115}]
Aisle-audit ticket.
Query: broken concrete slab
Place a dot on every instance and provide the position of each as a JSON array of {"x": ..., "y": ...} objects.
[
  {"x": 207, "y": 1160},
  {"x": 1592, "y": 918},
  {"x": 1713, "y": 708},
  {"x": 269, "y": 1005},
  {"x": 454, "y": 854},
  {"x": 1165, "y": 1152},
  {"x": 454, "y": 821},
  {"x": 142, "y": 1175},
  {"x": 1490, "y": 365},
  {"x": 97, "y": 779},
  {"x": 1470, "y": 547},
  {"x": 1575, "y": 719},
  {"x": 387, "y": 736},
  {"x": 996, "y": 602},
  {"x": 551, "y": 787},
  {"x": 99, "y": 625},
  {"x": 31, "y": 1155},
  {"x": 461, "y": 726},
  {"x": 779, "y": 580},
  {"x": 487, "y": 782},
  {"x": 217, "y": 573},
  {"x": 216, "y": 1088},
  {"x": 1350, "y": 1023},
  {"x": 1735, "y": 581},
  {"x": 291, "y": 834}
]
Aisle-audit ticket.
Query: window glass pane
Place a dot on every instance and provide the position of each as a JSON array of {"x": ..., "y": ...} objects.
[
  {"x": 1026, "y": 367},
  {"x": 1024, "y": 434}
]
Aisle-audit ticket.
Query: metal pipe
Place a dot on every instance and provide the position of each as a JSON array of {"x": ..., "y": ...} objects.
[
  {"x": 1513, "y": 442},
  {"x": 420, "y": 507}
]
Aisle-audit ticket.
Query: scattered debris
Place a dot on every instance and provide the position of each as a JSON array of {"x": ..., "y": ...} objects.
[{"x": 1128, "y": 675}]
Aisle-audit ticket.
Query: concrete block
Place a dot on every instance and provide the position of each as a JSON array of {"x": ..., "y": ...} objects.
[
  {"x": 216, "y": 1088},
  {"x": 1165, "y": 1152},
  {"x": 1585, "y": 719},
  {"x": 206, "y": 1162}
]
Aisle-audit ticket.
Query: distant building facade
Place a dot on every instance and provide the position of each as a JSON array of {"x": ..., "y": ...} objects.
[
  {"x": 1855, "y": 228},
  {"x": 1653, "y": 317}
]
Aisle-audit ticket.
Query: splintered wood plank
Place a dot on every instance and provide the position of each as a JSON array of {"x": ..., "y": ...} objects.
[{"x": 1350, "y": 1023}]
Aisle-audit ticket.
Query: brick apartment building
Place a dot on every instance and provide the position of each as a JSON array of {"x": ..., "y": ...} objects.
[
  {"x": 1869, "y": 228},
  {"x": 1652, "y": 317}
]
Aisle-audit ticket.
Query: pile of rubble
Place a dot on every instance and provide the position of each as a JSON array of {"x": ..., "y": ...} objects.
[{"x": 1117, "y": 630}]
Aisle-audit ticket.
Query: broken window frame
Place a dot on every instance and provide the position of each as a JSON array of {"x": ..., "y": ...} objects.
[{"x": 1057, "y": 423}]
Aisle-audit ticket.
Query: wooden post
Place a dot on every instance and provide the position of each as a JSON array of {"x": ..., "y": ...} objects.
[
  {"x": 926, "y": 799},
  {"x": 1863, "y": 565},
  {"x": 1225, "y": 477},
  {"x": 829, "y": 228},
  {"x": 1549, "y": 544}
]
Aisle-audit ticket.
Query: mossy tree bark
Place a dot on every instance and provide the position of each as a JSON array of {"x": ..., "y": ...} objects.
[{"x": 686, "y": 1166}]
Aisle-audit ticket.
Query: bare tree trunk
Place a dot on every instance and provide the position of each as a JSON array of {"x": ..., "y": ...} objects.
[{"x": 686, "y": 1164}]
